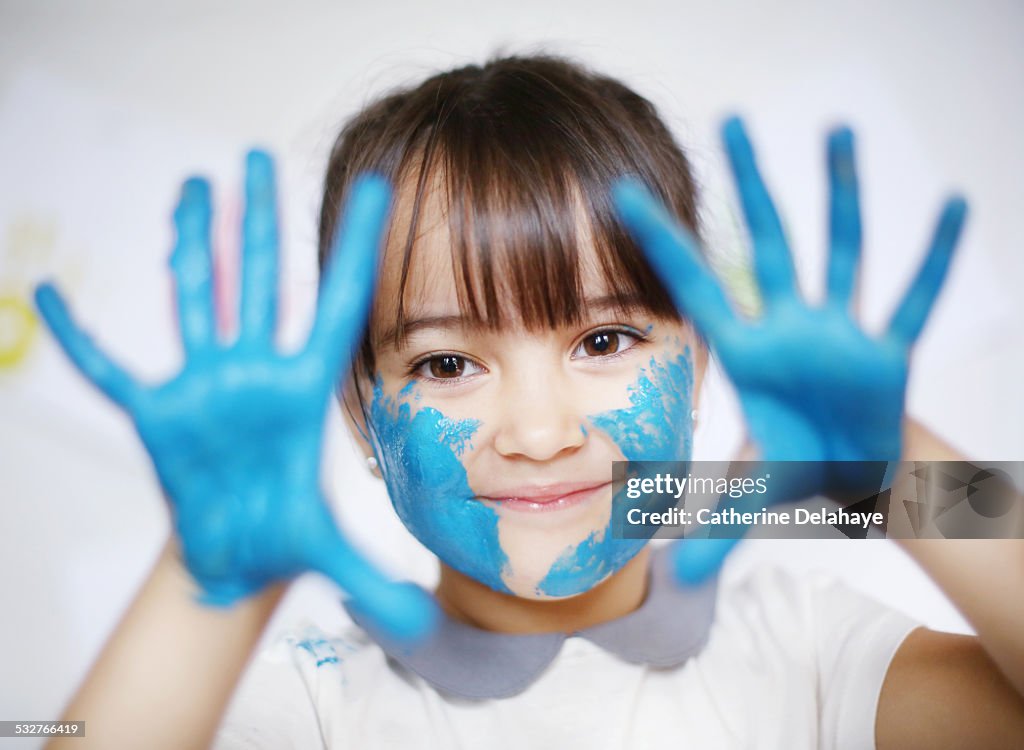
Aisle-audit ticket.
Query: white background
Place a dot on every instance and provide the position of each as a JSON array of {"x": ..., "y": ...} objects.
[{"x": 105, "y": 109}]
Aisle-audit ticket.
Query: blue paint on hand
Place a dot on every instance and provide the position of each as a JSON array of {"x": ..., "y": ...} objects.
[
  {"x": 814, "y": 386},
  {"x": 235, "y": 437}
]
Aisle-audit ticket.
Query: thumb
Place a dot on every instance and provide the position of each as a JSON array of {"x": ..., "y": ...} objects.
[
  {"x": 402, "y": 611},
  {"x": 696, "y": 560},
  {"x": 96, "y": 366}
]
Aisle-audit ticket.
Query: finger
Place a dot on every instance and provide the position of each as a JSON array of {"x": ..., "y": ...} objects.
[
  {"x": 772, "y": 262},
  {"x": 910, "y": 317},
  {"x": 402, "y": 611},
  {"x": 347, "y": 285},
  {"x": 221, "y": 595},
  {"x": 192, "y": 266},
  {"x": 696, "y": 560},
  {"x": 96, "y": 366},
  {"x": 844, "y": 218},
  {"x": 673, "y": 252},
  {"x": 258, "y": 307}
]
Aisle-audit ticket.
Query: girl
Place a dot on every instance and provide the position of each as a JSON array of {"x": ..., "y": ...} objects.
[{"x": 519, "y": 343}]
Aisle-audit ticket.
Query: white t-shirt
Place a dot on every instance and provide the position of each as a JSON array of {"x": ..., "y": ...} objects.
[{"x": 788, "y": 663}]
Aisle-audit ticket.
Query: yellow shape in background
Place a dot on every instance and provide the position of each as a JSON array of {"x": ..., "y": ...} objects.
[{"x": 18, "y": 325}]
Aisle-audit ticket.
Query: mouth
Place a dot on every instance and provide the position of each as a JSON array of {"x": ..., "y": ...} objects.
[{"x": 546, "y": 499}]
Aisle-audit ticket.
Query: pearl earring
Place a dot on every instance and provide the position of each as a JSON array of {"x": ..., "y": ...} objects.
[
  {"x": 693, "y": 415},
  {"x": 372, "y": 465}
]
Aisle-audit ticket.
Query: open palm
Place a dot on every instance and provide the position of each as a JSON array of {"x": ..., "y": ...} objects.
[
  {"x": 236, "y": 436},
  {"x": 813, "y": 385}
]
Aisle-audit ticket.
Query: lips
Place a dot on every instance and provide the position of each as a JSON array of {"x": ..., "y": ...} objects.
[{"x": 546, "y": 498}]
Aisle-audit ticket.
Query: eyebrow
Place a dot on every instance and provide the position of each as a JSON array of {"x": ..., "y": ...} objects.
[{"x": 621, "y": 303}]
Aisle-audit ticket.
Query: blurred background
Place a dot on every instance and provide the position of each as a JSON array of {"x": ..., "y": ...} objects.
[{"x": 106, "y": 107}]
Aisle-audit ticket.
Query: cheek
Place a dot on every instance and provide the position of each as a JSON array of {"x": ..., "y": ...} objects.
[
  {"x": 420, "y": 451},
  {"x": 657, "y": 425}
]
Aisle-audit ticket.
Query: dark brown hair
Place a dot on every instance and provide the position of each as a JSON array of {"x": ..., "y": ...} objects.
[{"x": 523, "y": 144}]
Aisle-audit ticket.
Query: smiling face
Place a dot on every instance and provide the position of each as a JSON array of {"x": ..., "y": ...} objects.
[{"x": 497, "y": 442}]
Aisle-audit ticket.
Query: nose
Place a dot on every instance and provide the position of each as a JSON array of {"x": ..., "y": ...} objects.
[{"x": 539, "y": 418}]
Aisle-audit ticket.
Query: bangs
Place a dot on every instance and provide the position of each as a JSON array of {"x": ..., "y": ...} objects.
[
  {"x": 520, "y": 155},
  {"x": 527, "y": 208}
]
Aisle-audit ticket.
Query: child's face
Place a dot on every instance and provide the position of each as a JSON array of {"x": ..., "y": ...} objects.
[{"x": 476, "y": 430}]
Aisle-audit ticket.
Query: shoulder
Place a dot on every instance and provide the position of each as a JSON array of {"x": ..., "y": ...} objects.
[
  {"x": 813, "y": 616},
  {"x": 812, "y": 636},
  {"x": 943, "y": 690},
  {"x": 811, "y": 602}
]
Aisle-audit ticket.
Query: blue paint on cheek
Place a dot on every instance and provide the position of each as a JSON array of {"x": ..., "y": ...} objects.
[
  {"x": 657, "y": 426},
  {"x": 429, "y": 488}
]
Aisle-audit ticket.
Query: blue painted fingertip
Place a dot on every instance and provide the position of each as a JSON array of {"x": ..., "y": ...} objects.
[
  {"x": 258, "y": 163},
  {"x": 840, "y": 140},
  {"x": 955, "y": 210},
  {"x": 402, "y": 611},
  {"x": 46, "y": 296},
  {"x": 840, "y": 153},
  {"x": 635, "y": 204},
  {"x": 696, "y": 560},
  {"x": 53, "y": 310},
  {"x": 629, "y": 192},
  {"x": 259, "y": 182},
  {"x": 371, "y": 189},
  {"x": 733, "y": 131},
  {"x": 195, "y": 189},
  {"x": 224, "y": 596},
  {"x": 624, "y": 199},
  {"x": 366, "y": 207},
  {"x": 193, "y": 210}
]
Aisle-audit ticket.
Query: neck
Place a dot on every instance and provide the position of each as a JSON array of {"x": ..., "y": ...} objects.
[{"x": 466, "y": 599}]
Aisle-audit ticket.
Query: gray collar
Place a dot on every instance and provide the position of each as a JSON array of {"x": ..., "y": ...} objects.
[{"x": 668, "y": 628}]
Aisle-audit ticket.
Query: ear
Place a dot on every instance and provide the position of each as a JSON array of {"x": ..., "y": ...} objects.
[
  {"x": 355, "y": 420},
  {"x": 701, "y": 356},
  {"x": 700, "y": 367}
]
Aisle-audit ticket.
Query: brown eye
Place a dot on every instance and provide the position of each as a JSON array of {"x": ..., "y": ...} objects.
[
  {"x": 447, "y": 366},
  {"x": 598, "y": 344},
  {"x": 454, "y": 368},
  {"x": 606, "y": 343}
]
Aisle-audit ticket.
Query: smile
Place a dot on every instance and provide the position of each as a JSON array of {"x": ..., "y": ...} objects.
[{"x": 546, "y": 499}]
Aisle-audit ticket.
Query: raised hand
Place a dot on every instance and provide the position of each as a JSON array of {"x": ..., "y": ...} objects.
[
  {"x": 813, "y": 385},
  {"x": 236, "y": 436}
]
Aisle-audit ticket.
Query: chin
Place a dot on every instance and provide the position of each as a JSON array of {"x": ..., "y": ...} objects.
[
  {"x": 536, "y": 594},
  {"x": 572, "y": 574},
  {"x": 530, "y": 587}
]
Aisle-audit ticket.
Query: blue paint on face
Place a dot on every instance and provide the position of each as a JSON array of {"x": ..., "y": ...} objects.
[
  {"x": 419, "y": 456},
  {"x": 657, "y": 426},
  {"x": 583, "y": 566}
]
